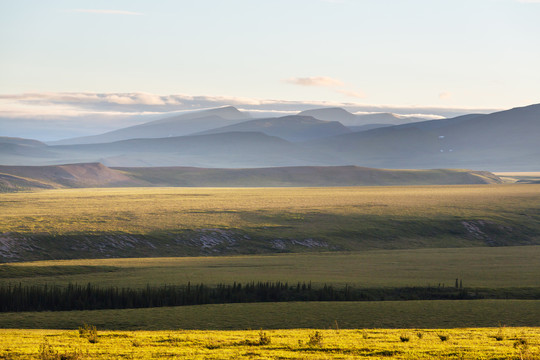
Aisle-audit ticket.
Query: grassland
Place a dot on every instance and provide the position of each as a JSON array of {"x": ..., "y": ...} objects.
[
  {"x": 419, "y": 235},
  {"x": 485, "y": 267},
  {"x": 321, "y": 315},
  {"x": 516, "y": 343},
  {"x": 97, "y": 223},
  {"x": 489, "y": 267}
]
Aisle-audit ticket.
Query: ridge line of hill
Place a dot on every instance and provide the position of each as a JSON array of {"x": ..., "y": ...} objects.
[{"x": 17, "y": 178}]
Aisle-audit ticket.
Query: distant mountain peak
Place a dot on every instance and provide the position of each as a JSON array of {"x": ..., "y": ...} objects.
[
  {"x": 325, "y": 112},
  {"x": 291, "y": 127},
  {"x": 228, "y": 112}
]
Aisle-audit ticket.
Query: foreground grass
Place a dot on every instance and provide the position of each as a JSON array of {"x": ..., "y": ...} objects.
[
  {"x": 490, "y": 343},
  {"x": 351, "y": 315},
  {"x": 191, "y": 221},
  {"x": 488, "y": 267}
]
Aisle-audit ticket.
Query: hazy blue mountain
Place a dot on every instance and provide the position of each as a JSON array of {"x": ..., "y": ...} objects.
[
  {"x": 232, "y": 149},
  {"x": 497, "y": 141},
  {"x": 331, "y": 114},
  {"x": 179, "y": 125},
  {"x": 502, "y": 141},
  {"x": 291, "y": 128},
  {"x": 366, "y": 127},
  {"x": 21, "y": 142},
  {"x": 349, "y": 119},
  {"x": 15, "y": 150}
]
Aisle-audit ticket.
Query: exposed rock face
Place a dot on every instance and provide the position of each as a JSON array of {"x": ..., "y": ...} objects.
[{"x": 18, "y": 247}]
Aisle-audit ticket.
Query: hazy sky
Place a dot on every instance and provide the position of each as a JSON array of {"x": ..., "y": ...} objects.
[{"x": 478, "y": 54}]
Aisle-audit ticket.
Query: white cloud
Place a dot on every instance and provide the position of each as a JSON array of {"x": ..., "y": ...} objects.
[
  {"x": 423, "y": 116},
  {"x": 314, "y": 81},
  {"x": 49, "y": 105},
  {"x": 445, "y": 95},
  {"x": 354, "y": 94},
  {"x": 105, "y": 11}
]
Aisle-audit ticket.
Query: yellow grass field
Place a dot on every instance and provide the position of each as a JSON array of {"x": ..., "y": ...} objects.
[
  {"x": 475, "y": 343},
  {"x": 496, "y": 267},
  {"x": 143, "y": 210},
  {"x": 146, "y": 222}
]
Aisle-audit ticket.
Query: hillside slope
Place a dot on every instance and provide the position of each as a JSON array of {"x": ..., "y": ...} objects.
[
  {"x": 61, "y": 176},
  {"x": 169, "y": 221},
  {"x": 503, "y": 140},
  {"x": 307, "y": 176}
]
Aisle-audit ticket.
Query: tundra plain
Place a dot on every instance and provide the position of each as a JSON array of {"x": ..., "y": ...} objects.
[
  {"x": 485, "y": 235},
  {"x": 150, "y": 222}
]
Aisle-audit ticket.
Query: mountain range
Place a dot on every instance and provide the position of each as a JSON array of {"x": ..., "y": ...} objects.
[
  {"x": 354, "y": 120},
  {"x": 291, "y": 128},
  {"x": 229, "y": 138},
  {"x": 179, "y": 125}
]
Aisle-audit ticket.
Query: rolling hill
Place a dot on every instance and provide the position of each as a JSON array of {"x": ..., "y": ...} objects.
[
  {"x": 14, "y": 178},
  {"x": 307, "y": 176}
]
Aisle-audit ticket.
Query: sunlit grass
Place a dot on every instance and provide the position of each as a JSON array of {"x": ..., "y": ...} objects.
[
  {"x": 473, "y": 343},
  {"x": 490, "y": 267},
  {"x": 144, "y": 210},
  {"x": 138, "y": 222}
]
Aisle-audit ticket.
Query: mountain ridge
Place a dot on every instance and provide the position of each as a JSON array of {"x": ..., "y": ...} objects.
[
  {"x": 291, "y": 128},
  {"x": 501, "y": 141},
  {"x": 179, "y": 125}
]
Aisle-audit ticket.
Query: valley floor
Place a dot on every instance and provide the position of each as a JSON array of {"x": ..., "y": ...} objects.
[
  {"x": 289, "y": 315},
  {"x": 468, "y": 343}
]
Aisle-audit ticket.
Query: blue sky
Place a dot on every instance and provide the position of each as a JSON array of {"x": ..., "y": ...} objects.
[{"x": 369, "y": 54}]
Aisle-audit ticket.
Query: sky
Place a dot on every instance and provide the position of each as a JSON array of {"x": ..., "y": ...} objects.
[{"x": 105, "y": 60}]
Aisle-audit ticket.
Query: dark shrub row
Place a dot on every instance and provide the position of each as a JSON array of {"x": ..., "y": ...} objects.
[{"x": 91, "y": 297}]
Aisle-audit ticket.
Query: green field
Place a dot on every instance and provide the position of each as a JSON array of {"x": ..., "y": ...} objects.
[
  {"x": 141, "y": 222},
  {"x": 502, "y": 267},
  {"x": 321, "y": 315},
  {"x": 491, "y": 343},
  {"x": 488, "y": 267},
  {"x": 399, "y": 236}
]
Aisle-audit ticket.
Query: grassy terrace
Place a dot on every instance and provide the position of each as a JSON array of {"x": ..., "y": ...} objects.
[
  {"x": 502, "y": 267},
  {"x": 296, "y": 210},
  {"x": 490, "y": 267},
  {"x": 142, "y": 222}
]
